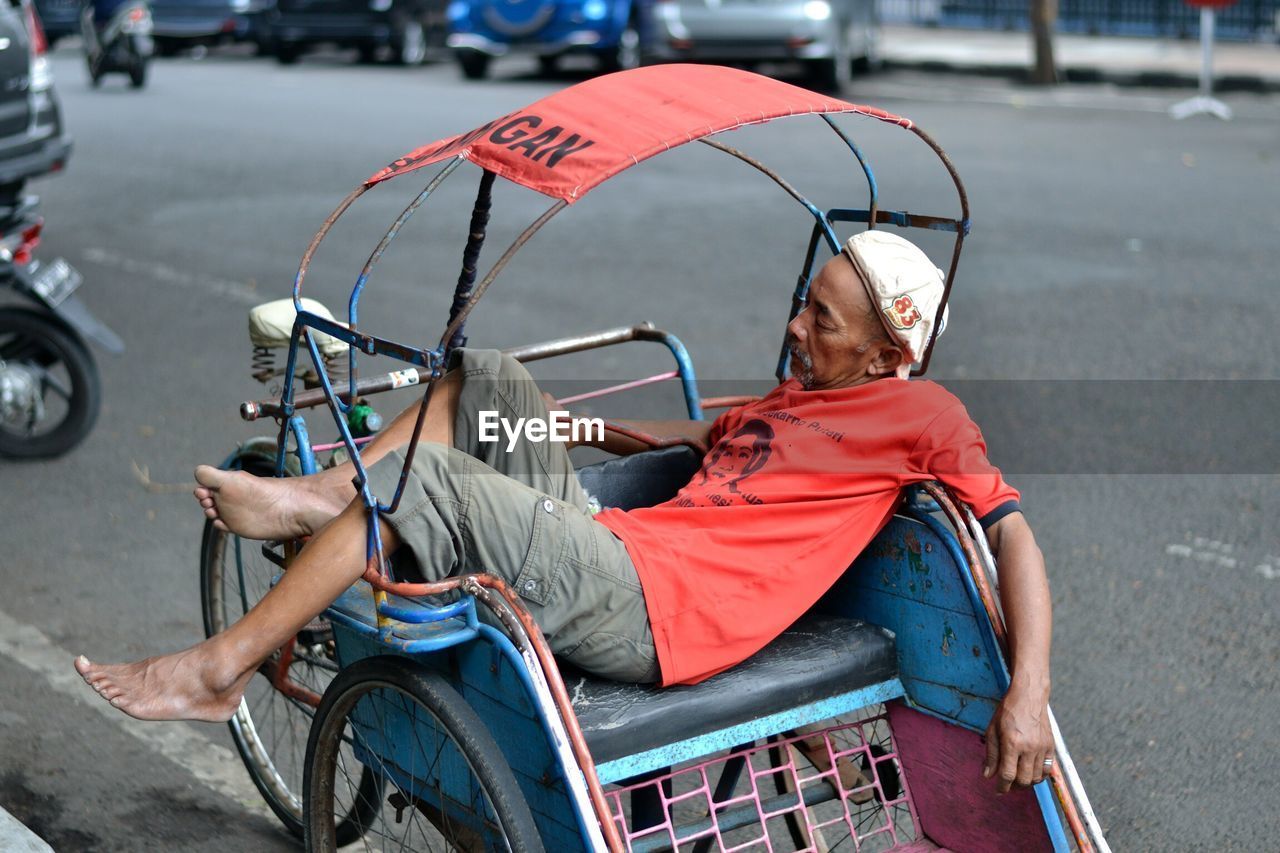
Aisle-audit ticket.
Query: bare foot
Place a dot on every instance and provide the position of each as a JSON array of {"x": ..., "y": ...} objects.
[
  {"x": 194, "y": 684},
  {"x": 267, "y": 507}
]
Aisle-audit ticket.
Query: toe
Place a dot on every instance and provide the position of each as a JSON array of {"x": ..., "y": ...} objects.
[
  {"x": 209, "y": 477},
  {"x": 83, "y": 666}
]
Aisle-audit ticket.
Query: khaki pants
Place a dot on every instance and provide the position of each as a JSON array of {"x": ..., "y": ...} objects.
[{"x": 521, "y": 515}]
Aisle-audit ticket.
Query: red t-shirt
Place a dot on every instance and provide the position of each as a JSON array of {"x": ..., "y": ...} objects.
[{"x": 793, "y": 488}]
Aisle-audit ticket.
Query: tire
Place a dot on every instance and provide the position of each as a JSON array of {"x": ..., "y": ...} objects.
[
  {"x": 628, "y": 53},
  {"x": 287, "y": 54},
  {"x": 474, "y": 64},
  {"x": 548, "y": 65},
  {"x": 410, "y": 43},
  {"x": 167, "y": 47},
  {"x": 42, "y": 353},
  {"x": 455, "y": 748},
  {"x": 828, "y": 75},
  {"x": 138, "y": 73},
  {"x": 834, "y": 73},
  {"x": 270, "y": 730}
]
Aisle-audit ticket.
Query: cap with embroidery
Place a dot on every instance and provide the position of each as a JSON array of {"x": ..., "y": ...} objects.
[{"x": 904, "y": 285}]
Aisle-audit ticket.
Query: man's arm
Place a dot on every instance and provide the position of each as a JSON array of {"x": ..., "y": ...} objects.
[
  {"x": 1019, "y": 738},
  {"x": 693, "y": 432}
]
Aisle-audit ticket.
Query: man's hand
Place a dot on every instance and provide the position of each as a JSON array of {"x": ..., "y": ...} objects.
[{"x": 1019, "y": 739}]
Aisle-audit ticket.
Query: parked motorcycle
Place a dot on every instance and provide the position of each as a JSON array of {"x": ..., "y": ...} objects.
[
  {"x": 49, "y": 388},
  {"x": 123, "y": 44}
]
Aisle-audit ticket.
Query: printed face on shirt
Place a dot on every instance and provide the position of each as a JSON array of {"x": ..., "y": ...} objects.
[
  {"x": 836, "y": 341},
  {"x": 737, "y": 457}
]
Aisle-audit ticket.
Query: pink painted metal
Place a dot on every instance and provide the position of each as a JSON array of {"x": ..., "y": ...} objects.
[
  {"x": 613, "y": 389},
  {"x": 321, "y": 448},
  {"x": 887, "y": 820},
  {"x": 942, "y": 761}
]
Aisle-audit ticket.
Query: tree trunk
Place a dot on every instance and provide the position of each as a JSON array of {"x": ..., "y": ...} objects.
[{"x": 1044, "y": 15}]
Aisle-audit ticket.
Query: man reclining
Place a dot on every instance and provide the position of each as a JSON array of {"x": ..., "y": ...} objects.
[{"x": 792, "y": 488}]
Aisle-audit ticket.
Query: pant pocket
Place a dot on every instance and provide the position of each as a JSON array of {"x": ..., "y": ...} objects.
[{"x": 540, "y": 572}]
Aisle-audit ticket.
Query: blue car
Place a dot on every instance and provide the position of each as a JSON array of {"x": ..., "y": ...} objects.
[{"x": 612, "y": 30}]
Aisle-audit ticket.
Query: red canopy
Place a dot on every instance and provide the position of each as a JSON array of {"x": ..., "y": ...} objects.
[{"x": 573, "y": 140}]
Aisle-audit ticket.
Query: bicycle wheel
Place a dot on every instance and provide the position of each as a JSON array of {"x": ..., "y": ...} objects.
[
  {"x": 270, "y": 729},
  {"x": 865, "y": 816},
  {"x": 451, "y": 787}
]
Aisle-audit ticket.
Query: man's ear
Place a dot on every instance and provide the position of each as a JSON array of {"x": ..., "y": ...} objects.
[{"x": 886, "y": 362}]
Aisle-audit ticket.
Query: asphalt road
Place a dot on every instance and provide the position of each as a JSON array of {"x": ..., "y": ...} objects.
[{"x": 1109, "y": 243}]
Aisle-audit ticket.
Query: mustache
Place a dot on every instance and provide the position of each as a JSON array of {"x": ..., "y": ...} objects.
[{"x": 793, "y": 347}]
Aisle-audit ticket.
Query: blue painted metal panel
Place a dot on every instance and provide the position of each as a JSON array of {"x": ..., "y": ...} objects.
[
  {"x": 908, "y": 581},
  {"x": 912, "y": 579},
  {"x": 725, "y": 739}
]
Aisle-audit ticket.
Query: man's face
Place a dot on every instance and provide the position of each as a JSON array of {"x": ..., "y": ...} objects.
[{"x": 834, "y": 340}]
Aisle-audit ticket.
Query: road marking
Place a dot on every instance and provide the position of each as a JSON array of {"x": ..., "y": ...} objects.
[
  {"x": 236, "y": 291},
  {"x": 1205, "y": 550},
  {"x": 1068, "y": 98},
  {"x": 217, "y": 767}
]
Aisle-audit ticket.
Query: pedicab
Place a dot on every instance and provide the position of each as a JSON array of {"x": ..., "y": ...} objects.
[{"x": 436, "y": 716}]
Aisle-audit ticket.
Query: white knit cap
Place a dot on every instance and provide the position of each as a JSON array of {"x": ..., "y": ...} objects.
[{"x": 904, "y": 286}]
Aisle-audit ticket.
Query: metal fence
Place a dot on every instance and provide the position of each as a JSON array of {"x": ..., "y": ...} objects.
[{"x": 1247, "y": 20}]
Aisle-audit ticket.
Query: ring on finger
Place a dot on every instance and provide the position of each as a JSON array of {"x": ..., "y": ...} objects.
[{"x": 1048, "y": 764}]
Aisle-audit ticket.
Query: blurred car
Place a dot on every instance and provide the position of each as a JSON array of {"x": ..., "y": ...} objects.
[
  {"x": 33, "y": 141},
  {"x": 829, "y": 37},
  {"x": 410, "y": 29},
  {"x": 59, "y": 18},
  {"x": 614, "y": 31},
  {"x": 181, "y": 24}
]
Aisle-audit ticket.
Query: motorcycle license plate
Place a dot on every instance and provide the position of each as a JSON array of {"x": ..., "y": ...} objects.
[{"x": 55, "y": 281}]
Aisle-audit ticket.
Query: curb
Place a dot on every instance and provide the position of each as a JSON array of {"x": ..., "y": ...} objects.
[
  {"x": 16, "y": 838},
  {"x": 1094, "y": 74}
]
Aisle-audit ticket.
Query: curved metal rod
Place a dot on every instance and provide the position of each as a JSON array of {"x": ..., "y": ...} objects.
[
  {"x": 874, "y": 204},
  {"x": 376, "y": 255},
  {"x": 782, "y": 182},
  {"x": 955, "y": 254},
  {"x": 316, "y": 240},
  {"x": 528, "y": 635},
  {"x": 978, "y": 571}
]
